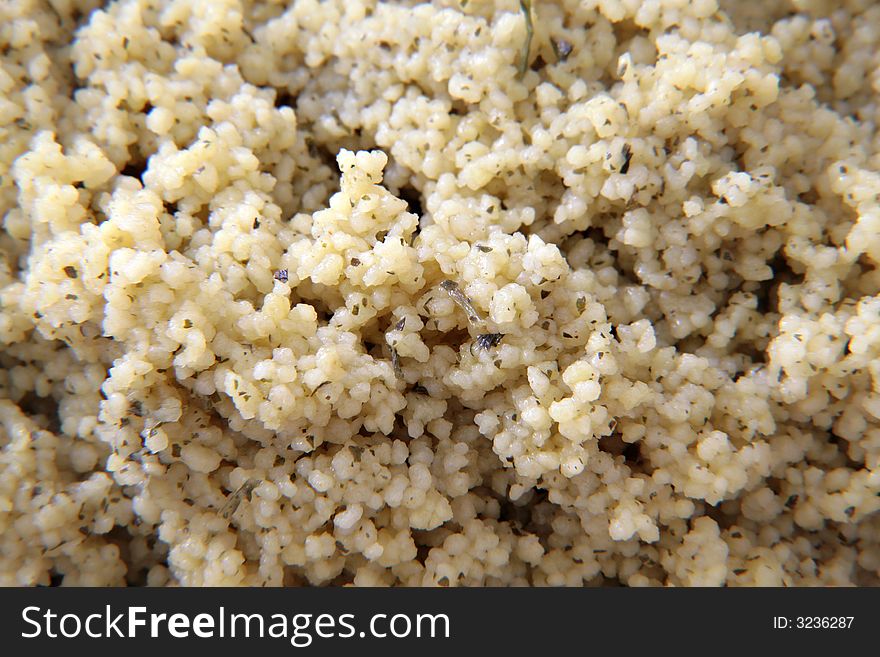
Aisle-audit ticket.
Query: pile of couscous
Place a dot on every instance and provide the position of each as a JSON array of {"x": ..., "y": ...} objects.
[{"x": 475, "y": 292}]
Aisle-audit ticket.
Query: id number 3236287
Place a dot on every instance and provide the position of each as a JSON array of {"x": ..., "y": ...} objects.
[{"x": 813, "y": 622}]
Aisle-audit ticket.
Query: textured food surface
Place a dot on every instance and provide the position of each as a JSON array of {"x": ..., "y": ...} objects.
[{"x": 349, "y": 292}]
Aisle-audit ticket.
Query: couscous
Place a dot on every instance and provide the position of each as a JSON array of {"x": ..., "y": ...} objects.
[{"x": 464, "y": 293}]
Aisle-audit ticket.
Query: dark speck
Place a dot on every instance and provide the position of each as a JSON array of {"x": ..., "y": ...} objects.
[
  {"x": 561, "y": 48},
  {"x": 489, "y": 340},
  {"x": 627, "y": 156}
]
